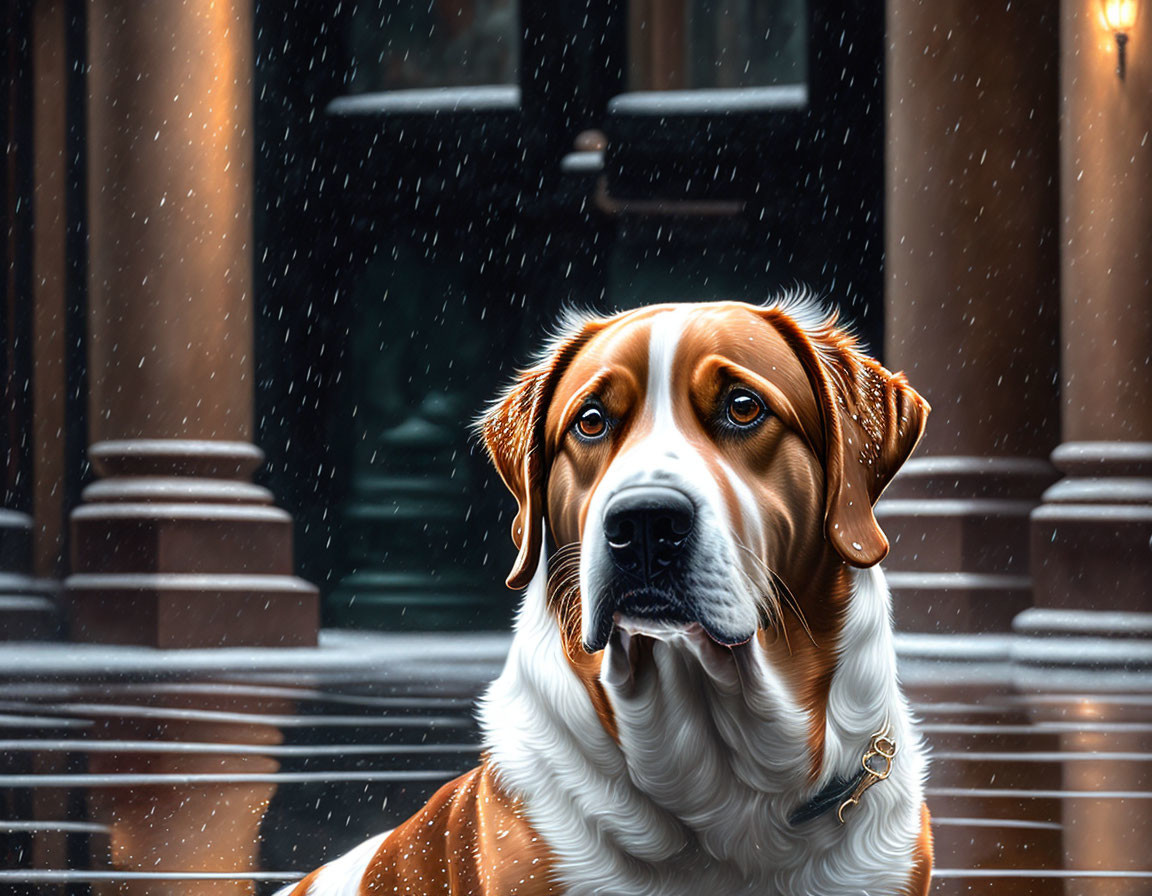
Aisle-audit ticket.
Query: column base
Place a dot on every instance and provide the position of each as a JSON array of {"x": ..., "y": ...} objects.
[
  {"x": 178, "y": 610},
  {"x": 174, "y": 548},
  {"x": 958, "y": 529},
  {"x": 1092, "y": 537},
  {"x": 29, "y": 610}
]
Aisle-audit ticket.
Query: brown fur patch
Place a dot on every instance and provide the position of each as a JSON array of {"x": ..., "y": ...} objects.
[
  {"x": 565, "y": 602},
  {"x": 921, "y": 880},
  {"x": 872, "y": 420},
  {"x": 471, "y": 839},
  {"x": 613, "y": 366}
]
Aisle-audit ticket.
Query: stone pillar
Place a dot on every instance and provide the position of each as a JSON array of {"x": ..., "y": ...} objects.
[
  {"x": 51, "y": 337},
  {"x": 175, "y": 547},
  {"x": 27, "y": 607},
  {"x": 1085, "y": 651},
  {"x": 971, "y": 300},
  {"x": 1092, "y": 539}
]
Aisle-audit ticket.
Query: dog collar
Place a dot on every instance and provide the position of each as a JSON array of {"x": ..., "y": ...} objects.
[{"x": 842, "y": 792}]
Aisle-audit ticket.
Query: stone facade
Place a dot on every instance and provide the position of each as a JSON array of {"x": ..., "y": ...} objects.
[{"x": 1017, "y": 300}]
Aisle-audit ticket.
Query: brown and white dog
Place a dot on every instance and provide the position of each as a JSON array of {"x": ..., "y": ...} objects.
[{"x": 703, "y": 662}]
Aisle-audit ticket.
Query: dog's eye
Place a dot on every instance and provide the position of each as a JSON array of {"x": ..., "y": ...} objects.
[
  {"x": 743, "y": 408},
  {"x": 591, "y": 424}
]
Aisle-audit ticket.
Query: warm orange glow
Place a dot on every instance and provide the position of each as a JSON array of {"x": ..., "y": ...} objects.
[{"x": 1119, "y": 15}]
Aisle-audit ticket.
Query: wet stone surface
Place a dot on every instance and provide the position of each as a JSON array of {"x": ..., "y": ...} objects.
[
  {"x": 236, "y": 771},
  {"x": 229, "y": 779}
]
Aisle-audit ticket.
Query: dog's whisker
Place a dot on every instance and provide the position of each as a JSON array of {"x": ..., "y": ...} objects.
[
  {"x": 774, "y": 585},
  {"x": 770, "y": 612},
  {"x": 766, "y": 583},
  {"x": 562, "y": 572},
  {"x": 795, "y": 605}
]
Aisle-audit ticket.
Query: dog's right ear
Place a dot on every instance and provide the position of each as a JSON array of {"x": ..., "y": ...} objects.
[{"x": 513, "y": 433}]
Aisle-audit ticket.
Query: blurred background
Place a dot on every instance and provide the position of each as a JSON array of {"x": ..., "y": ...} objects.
[{"x": 264, "y": 263}]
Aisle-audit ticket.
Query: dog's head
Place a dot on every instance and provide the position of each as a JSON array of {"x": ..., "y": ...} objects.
[{"x": 695, "y": 462}]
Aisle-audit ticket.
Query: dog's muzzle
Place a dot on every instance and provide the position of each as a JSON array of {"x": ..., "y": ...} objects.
[{"x": 648, "y": 531}]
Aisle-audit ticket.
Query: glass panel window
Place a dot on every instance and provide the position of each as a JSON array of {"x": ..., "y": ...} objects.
[
  {"x": 444, "y": 43},
  {"x": 690, "y": 44}
]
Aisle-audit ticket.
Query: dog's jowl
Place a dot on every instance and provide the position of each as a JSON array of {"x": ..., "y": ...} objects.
[{"x": 701, "y": 694}]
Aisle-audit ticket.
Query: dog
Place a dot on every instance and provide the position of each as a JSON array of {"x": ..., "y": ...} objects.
[{"x": 701, "y": 693}]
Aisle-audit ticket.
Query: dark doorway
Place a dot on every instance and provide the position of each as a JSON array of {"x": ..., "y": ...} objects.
[{"x": 436, "y": 183}]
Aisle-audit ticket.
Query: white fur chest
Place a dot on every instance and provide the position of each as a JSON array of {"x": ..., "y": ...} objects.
[{"x": 711, "y": 759}]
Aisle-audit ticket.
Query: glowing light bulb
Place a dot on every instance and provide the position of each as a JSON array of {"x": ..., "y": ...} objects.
[{"x": 1119, "y": 17}]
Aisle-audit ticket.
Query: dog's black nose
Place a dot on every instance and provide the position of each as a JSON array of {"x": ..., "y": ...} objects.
[{"x": 647, "y": 528}]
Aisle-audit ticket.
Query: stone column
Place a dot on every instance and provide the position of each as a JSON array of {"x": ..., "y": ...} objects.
[
  {"x": 27, "y": 606},
  {"x": 971, "y": 300},
  {"x": 174, "y": 547},
  {"x": 1092, "y": 539},
  {"x": 1085, "y": 650}
]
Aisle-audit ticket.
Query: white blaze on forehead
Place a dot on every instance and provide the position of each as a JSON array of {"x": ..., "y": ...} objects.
[
  {"x": 665, "y": 455},
  {"x": 664, "y": 341},
  {"x": 667, "y": 329}
]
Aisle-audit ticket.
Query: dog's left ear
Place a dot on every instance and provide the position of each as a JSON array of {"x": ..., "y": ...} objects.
[
  {"x": 872, "y": 421},
  {"x": 512, "y": 430}
]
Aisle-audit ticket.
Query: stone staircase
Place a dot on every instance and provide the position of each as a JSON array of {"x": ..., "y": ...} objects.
[{"x": 132, "y": 770}]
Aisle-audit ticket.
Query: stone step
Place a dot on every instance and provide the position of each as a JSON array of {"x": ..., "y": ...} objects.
[
  {"x": 29, "y": 609},
  {"x": 979, "y": 843},
  {"x": 1032, "y": 882}
]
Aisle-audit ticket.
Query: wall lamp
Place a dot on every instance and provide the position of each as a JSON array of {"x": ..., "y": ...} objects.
[{"x": 1120, "y": 17}]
